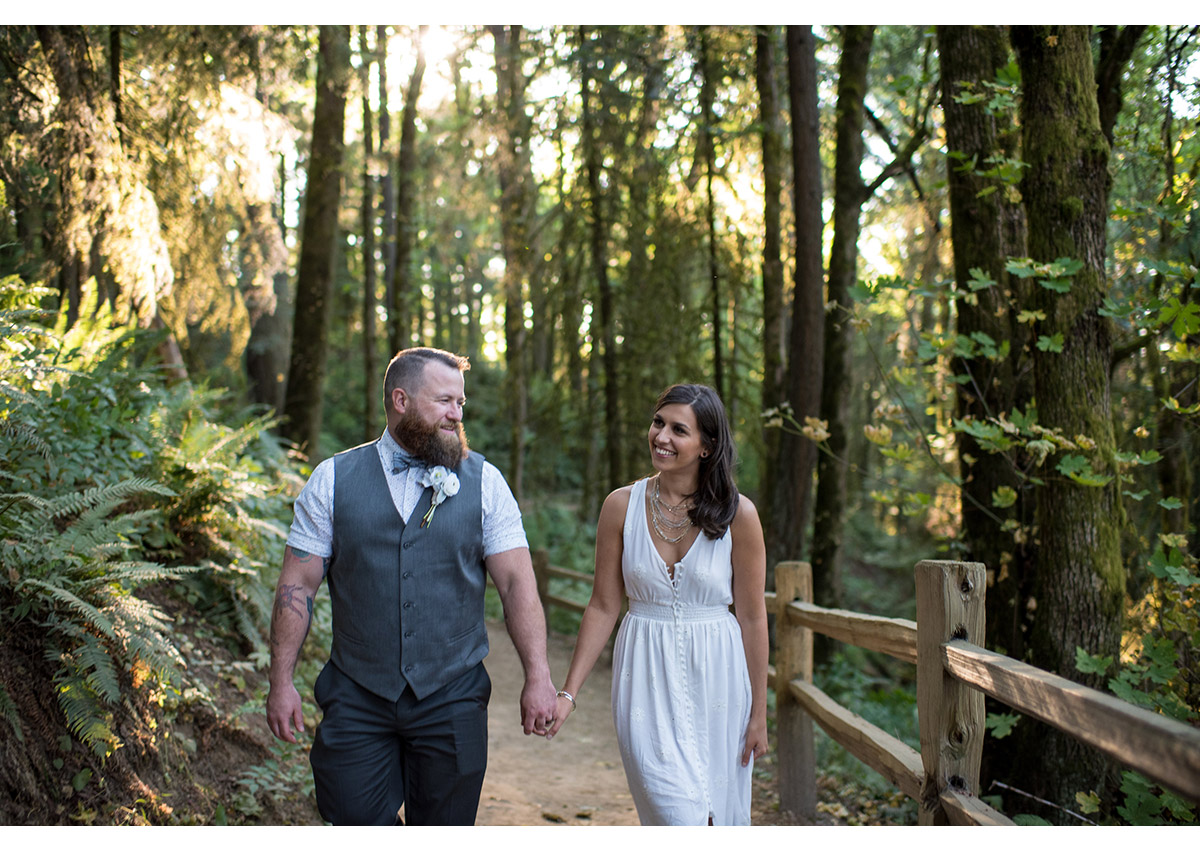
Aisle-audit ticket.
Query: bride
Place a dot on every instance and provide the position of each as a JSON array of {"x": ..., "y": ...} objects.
[{"x": 689, "y": 685}]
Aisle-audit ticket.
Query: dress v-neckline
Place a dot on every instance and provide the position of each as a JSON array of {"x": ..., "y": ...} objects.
[{"x": 672, "y": 576}]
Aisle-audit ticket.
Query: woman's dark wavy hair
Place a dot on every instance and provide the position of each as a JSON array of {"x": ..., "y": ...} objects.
[{"x": 716, "y": 496}]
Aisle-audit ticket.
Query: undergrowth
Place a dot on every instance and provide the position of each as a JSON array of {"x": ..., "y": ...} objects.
[{"x": 124, "y": 494}]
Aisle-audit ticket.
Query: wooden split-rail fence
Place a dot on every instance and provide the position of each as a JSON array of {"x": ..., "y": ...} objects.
[{"x": 953, "y": 676}]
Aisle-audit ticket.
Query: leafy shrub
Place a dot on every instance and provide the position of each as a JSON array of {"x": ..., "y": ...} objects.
[{"x": 114, "y": 482}]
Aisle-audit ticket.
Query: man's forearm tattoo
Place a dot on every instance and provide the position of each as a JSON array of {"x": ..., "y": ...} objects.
[{"x": 294, "y": 598}]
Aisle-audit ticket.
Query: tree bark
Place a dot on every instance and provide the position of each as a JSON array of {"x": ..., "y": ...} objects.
[
  {"x": 592, "y": 160},
  {"x": 1079, "y": 588},
  {"x": 792, "y": 488},
  {"x": 642, "y": 378},
  {"x": 987, "y": 229},
  {"x": 849, "y": 196},
  {"x": 515, "y": 208},
  {"x": 772, "y": 265},
  {"x": 400, "y": 317},
  {"x": 707, "y": 153},
  {"x": 387, "y": 189},
  {"x": 314, "y": 278},
  {"x": 371, "y": 378}
]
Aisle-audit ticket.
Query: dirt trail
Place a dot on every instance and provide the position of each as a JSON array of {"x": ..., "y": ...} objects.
[{"x": 574, "y": 779}]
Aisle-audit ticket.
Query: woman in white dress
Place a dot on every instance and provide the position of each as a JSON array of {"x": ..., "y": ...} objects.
[{"x": 689, "y": 690}]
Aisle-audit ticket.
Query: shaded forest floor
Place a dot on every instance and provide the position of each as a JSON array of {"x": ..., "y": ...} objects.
[{"x": 208, "y": 758}]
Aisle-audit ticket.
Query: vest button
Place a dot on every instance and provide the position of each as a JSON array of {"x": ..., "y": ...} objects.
[
  {"x": 408, "y": 605},
  {"x": 408, "y": 667},
  {"x": 407, "y": 574},
  {"x": 407, "y": 544}
]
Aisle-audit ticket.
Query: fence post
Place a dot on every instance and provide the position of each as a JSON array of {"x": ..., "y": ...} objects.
[
  {"x": 541, "y": 575},
  {"x": 950, "y": 604},
  {"x": 793, "y": 726}
]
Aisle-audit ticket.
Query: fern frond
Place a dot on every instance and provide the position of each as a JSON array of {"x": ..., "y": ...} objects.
[
  {"x": 102, "y": 678},
  {"x": 86, "y": 717},
  {"x": 93, "y": 616},
  {"x": 135, "y": 573},
  {"x": 76, "y": 503}
]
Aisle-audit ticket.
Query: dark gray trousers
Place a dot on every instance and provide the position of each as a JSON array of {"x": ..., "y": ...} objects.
[{"x": 371, "y": 755}]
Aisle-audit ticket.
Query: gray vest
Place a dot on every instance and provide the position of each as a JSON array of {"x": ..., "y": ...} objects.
[{"x": 407, "y": 601}]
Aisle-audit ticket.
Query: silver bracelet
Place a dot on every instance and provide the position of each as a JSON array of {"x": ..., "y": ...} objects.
[{"x": 569, "y": 697}]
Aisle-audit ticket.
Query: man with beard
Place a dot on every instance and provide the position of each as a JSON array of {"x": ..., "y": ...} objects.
[{"x": 406, "y": 529}]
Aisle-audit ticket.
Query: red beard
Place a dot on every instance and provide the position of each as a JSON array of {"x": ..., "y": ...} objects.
[{"x": 429, "y": 444}]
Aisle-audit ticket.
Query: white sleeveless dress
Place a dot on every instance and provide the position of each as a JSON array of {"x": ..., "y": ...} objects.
[{"x": 681, "y": 688}]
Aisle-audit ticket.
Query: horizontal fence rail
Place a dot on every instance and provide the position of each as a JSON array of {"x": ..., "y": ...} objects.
[{"x": 1164, "y": 750}]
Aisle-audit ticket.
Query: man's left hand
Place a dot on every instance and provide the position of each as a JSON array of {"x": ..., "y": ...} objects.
[{"x": 539, "y": 702}]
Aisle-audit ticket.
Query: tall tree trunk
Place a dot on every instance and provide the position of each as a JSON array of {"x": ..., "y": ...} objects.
[
  {"x": 788, "y": 520},
  {"x": 848, "y": 198},
  {"x": 400, "y": 316},
  {"x": 772, "y": 265},
  {"x": 984, "y": 213},
  {"x": 387, "y": 188},
  {"x": 515, "y": 208},
  {"x": 370, "y": 418},
  {"x": 642, "y": 317},
  {"x": 1080, "y": 582},
  {"x": 988, "y": 228},
  {"x": 707, "y": 152},
  {"x": 318, "y": 238},
  {"x": 593, "y": 163}
]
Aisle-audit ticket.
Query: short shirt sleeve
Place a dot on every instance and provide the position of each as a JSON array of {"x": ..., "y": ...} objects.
[
  {"x": 502, "y": 528},
  {"x": 312, "y": 520}
]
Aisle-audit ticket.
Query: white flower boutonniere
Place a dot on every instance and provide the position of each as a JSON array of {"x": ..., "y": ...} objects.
[{"x": 445, "y": 484}]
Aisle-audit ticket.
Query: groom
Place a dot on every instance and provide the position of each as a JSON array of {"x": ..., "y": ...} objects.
[{"x": 405, "y": 547}]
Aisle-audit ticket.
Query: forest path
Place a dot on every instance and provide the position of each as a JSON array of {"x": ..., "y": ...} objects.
[{"x": 577, "y": 777}]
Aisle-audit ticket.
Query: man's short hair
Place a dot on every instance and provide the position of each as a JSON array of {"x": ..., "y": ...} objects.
[{"x": 408, "y": 367}]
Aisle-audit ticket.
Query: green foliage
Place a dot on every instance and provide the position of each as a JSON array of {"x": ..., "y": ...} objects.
[
  {"x": 1000, "y": 724},
  {"x": 1156, "y": 673},
  {"x": 67, "y": 569},
  {"x": 875, "y": 697},
  {"x": 117, "y": 485}
]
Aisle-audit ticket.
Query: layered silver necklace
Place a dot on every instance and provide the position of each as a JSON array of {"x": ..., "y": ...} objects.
[{"x": 663, "y": 515}]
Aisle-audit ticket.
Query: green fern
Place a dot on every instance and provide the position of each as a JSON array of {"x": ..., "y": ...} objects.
[
  {"x": 86, "y": 715},
  {"x": 78, "y": 581}
]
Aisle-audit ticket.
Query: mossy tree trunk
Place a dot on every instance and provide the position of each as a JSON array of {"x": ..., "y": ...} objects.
[
  {"x": 988, "y": 227},
  {"x": 1079, "y": 587}
]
